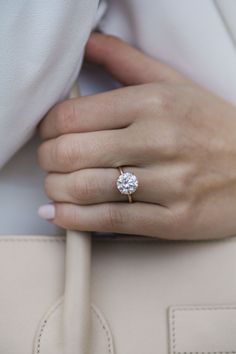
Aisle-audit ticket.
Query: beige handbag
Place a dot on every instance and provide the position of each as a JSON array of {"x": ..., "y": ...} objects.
[
  {"x": 135, "y": 295},
  {"x": 139, "y": 296}
]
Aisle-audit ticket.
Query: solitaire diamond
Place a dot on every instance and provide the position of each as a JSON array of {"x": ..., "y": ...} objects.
[{"x": 127, "y": 183}]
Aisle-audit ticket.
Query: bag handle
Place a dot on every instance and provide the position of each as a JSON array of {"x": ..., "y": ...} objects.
[{"x": 76, "y": 307}]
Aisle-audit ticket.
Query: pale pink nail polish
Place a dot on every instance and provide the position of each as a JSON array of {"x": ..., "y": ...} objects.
[{"x": 47, "y": 211}]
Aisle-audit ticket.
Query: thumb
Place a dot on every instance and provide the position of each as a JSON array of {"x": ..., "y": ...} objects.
[{"x": 127, "y": 64}]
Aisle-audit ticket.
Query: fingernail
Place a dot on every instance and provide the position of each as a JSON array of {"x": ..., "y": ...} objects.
[{"x": 47, "y": 211}]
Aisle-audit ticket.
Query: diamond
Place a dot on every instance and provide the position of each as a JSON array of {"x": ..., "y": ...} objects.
[{"x": 127, "y": 183}]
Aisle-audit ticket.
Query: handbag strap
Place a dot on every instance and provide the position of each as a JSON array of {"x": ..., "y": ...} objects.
[
  {"x": 76, "y": 307},
  {"x": 76, "y": 310}
]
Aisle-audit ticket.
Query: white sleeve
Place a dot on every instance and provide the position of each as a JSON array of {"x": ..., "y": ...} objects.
[{"x": 41, "y": 49}]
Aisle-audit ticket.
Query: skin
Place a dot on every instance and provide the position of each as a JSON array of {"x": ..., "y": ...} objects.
[{"x": 176, "y": 137}]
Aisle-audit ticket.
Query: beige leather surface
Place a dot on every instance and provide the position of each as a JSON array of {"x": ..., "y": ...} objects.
[
  {"x": 32, "y": 280},
  {"x": 76, "y": 305},
  {"x": 136, "y": 286},
  {"x": 195, "y": 321},
  {"x": 135, "y": 283}
]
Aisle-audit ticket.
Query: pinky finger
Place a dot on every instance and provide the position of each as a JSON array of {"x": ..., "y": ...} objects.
[{"x": 129, "y": 218}]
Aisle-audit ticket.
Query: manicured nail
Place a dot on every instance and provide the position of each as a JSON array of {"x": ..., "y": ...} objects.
[{"x": 47, "y": 211}]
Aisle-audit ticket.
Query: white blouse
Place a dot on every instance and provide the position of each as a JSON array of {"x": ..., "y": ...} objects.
[{"x": 41, "y": 47}]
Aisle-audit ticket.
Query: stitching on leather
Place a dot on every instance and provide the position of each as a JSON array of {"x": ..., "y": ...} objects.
[
  {"x": 40, "y": 335},
  {"x": 103, "y": 325},
  {"x": 44, "y": 324},
  {"x": 53, "y": 310},
  {"x": 202, "y": 308},
  {"x": 173, "y": 326}
]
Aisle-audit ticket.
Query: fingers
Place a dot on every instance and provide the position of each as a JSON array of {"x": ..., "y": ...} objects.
[
  {"x": 115, "y": 109},
  {"x": 129, "y": 218},
  {"x": 127, "y": 64},
  {"x": 73, "y": 152},
  {"x": 93, "y": 186},
  {"x": 105, "y": 111}
]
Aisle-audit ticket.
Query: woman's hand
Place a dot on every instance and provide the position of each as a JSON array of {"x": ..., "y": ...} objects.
[{"x": 177, "y": 138}]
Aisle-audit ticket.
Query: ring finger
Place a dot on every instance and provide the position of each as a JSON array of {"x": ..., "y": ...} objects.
[{"x": 93, "y": 186}]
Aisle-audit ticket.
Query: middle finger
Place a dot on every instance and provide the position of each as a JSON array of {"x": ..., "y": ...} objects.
[{"x": 108, "y": 148}]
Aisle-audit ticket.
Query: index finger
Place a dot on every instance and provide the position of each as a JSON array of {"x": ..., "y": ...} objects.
[{"x": 104, "y": 111}]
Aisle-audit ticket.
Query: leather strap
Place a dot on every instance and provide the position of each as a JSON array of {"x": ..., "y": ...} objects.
[{"x": 76, "y": 310}]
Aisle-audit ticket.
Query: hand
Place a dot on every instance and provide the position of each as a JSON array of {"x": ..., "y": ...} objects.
[{"x": 177, "y": 138}]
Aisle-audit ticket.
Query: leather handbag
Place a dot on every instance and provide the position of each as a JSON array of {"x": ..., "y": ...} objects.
[
  {"x": 137, "y": 295},
  {"x": 83, "y": 294}
]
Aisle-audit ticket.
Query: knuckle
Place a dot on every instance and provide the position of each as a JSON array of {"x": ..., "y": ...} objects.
[
  {"x": 180, "y": 187},
  {"x": 180, "y": 222},
  {"x": 114, "y": 217},
  {"x": 64, "y": 117},
  {"x": 65, "y": 152},
  {"x": 163, "y": 145},
  {"x": 74, "y": 218},
  {"x": 84, "y": 188},
  {"x": 59, "y": 151},
  {"x": 68, "y": 216},
  {"x": 161, "y": 97},
  {"x": 166, "y": 100},
  {"x": 167, "y": 144},
  {"x": 169, "y": 149},
  {"x": 185, "y": 182}
]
